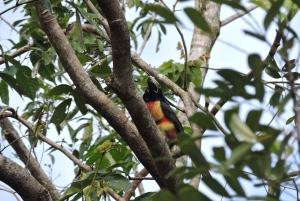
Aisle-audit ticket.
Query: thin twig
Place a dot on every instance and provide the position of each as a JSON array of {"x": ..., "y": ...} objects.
[
  {"x": 135, "y": 184},
  {"x": 146, "y": 36},
  {"x": 218, "y": 124},
  {"x": 15, "y": 6},
  {"x": 45, "y": 139},
  {"x": 184, "y": 46},
  {"x": 238, "y": 15}
]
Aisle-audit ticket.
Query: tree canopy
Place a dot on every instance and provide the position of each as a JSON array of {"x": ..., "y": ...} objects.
[{"x": 78, "y": 68}]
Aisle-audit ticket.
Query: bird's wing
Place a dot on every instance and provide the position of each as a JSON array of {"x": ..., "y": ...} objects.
[{"x": 170, "y": 115}]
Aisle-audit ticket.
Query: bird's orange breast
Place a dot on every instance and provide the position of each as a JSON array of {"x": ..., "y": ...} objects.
[
  {"x": 155, "y": 110},
  {"x": 165, "y": 126}
]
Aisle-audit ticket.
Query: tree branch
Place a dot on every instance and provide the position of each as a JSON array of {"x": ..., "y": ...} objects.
[
  {"x": 45, "y": 139},
  {"x": 21, "y": 181},
  {"x": 13, "y": 138},
  {"x": 92, "y": 95},
  {"x": 238, "y": 15},
  {"x": 135, "y": 184},
  {"x": 121, "y": 81}
]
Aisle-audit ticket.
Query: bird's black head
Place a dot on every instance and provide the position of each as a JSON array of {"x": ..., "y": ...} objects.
[
  {"x": 153, "y": 85},
  {"x": 153, "y": 91}
]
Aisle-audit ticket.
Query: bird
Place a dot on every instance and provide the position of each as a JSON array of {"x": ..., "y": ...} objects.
[{"x": 165, "y": 118}]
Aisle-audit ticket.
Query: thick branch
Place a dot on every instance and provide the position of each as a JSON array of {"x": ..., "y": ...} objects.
[
  {"x": 13, "y": 138},
  {"x": 92, "y": 95},
  {"x": 21, "y": 181},
  {"x": 121, "y": 81}
]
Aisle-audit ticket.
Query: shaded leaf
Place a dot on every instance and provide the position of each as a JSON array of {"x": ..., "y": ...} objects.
[
  {"x": 4, "y": 93},
  {"x": 203, "y": 120},
  {"x": 60, "y": 89},
  {"x": 198, "y": 19},
  {"x": 215, "y": 186},
  {"x": 14, "y": 83},
  {"x": 118, "y": 182},
  {"x": 162, "y": 11},
  {"x": 188, "y": 192},
  {"x": 241, "y": 129},
  {"x": 273, "y": 11},
  {"x": 47, "y": 4},
  {"x": 61, "y": 112},
  {"x": 164, "y": 194},
  {"x": 272, "y": 73}
]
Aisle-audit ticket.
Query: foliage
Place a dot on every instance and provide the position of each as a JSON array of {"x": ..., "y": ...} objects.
[{"x": 251, "y": 147}]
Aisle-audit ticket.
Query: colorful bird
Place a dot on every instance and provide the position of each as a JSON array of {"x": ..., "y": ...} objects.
[{"x": 165, "y": 118}]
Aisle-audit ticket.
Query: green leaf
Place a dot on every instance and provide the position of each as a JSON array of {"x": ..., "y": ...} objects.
[
  {"x": 30, "y": 84},
  {"x": 88, "y": 130},
  {"x": 118, "y": 182},
  {"x": 47, "y": 4},
  {"x": 239, "y": 152},
  {"x": 291, "y": 64},
  {"x": 272, "y": 73},
  {"x": 256, "y": 65},
  {"x": 162, "y": 11},
  {"x": 60, "y": 89},
  {"x": 198, "y": 76},
  {"x": 68, "y": 193},
  {"x": 253, "y": 119},
  {"x": 198, "y": 19},
  {"x": 4, "y": 93},
  {"x": 272, "y": 64},
  {"x": 46, "y": 71},
  {"x": 14, "y": 83},
  {"x": 89, "y": 16},
  {"x": 272, "y": 12},
  {"x": 256, "y": 35},
  {"x": 80, "y": 102},
  {"x": 164, "y": 194},
  {"x": 188, "y": 146},
  {"x": 290, "y": 120},
  {"x": 296, "y": 2},
  {"x": 219, "y": 153},
  {"x": 215, "y": 186},
  {"x": 188, "y": 192},
  {"x": 203, "y": 120},
  {"x": 235, "y": 185},
  {"x": 13, "y": 62},
  {"x": 241, "y": 129},
  {"x": 61, "y": 112},
  {"x": 145, "y": 197}
]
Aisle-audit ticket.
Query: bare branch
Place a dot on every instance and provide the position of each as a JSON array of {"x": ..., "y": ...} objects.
[
  {"x": 45, "y": 139},
  {"x": 184, "y": 46},
  {"x": 146, "y": 36},
  {"x": 238, "y": 15},
  {"x": 25, "y": 184},
  {"x": 121, "y": 81},
  {"x": 19, "y": 51},
  {"x": 17, "y": 5},
  {"x": 98, "y": 100}
]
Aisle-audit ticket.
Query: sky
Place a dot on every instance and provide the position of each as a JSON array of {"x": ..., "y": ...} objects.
[{"x": 225, "y": 54}]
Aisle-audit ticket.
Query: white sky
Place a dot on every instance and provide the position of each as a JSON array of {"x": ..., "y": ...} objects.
[{"x": 222, "y": 56}]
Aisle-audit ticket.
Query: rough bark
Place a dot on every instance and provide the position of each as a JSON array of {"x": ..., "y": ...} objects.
[
  {"x": 202, "y": 43},
  {"x": 93, "y": 96},
  {"x": 25, "y": 156},
  {"x": 121, "y": 81},
  {"x": 21, "y": 181}
]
